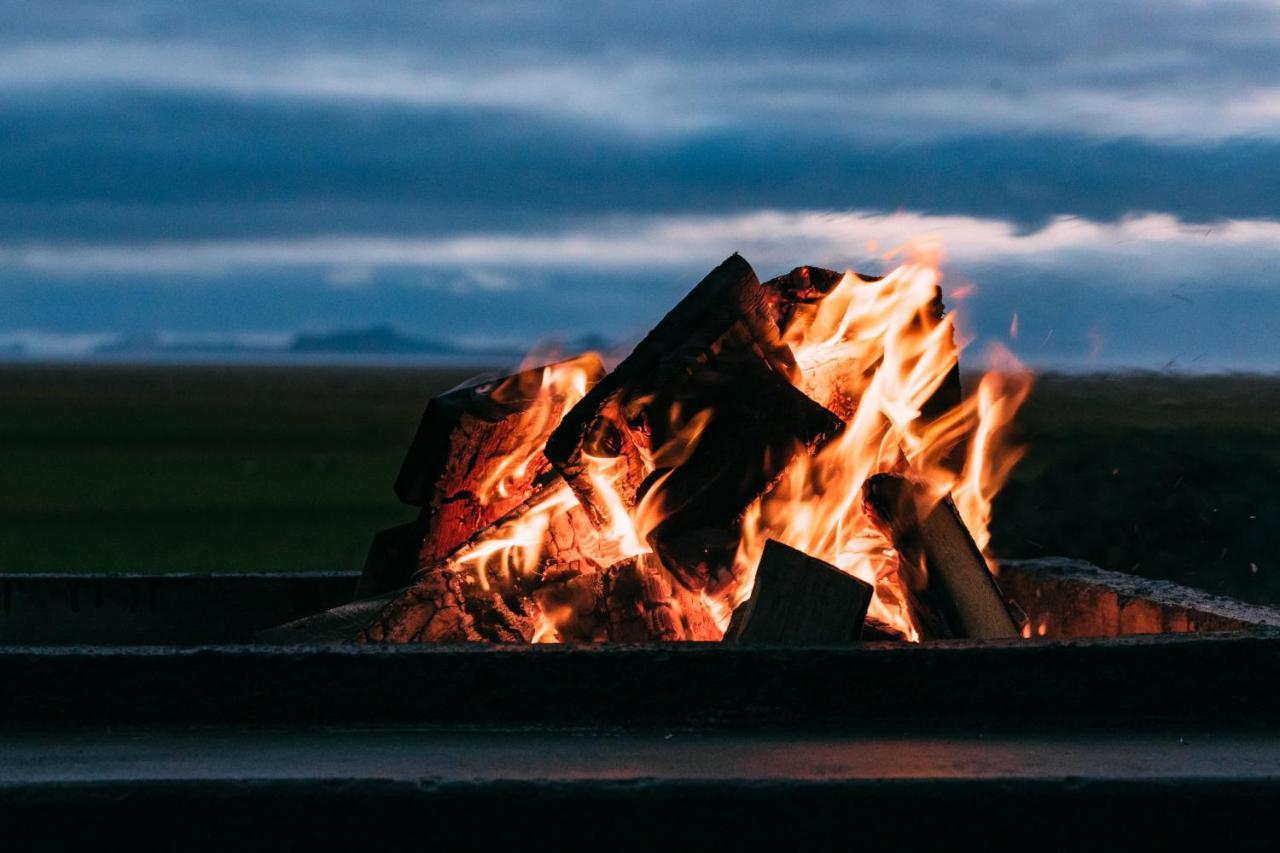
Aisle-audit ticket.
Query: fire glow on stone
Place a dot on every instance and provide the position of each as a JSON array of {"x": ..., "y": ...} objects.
[{"x": 873, "y": 352}]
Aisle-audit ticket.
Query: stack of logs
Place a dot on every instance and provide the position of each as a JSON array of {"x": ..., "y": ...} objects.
[{"x": 719, "y": 351}]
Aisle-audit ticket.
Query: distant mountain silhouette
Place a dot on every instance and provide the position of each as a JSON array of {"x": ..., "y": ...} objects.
[{"x": 380, "y": 338}]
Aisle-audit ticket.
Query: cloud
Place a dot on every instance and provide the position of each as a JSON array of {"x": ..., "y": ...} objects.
[
  {"x": 1151, "y": 68},
  {"x": 1152, "y": 247}
]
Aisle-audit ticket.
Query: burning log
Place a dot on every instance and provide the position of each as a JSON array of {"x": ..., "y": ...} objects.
[
  {"x": 727, "y": 311},
  {"x": 634, "y": 600},
  {"x": 800, "y": 599},
  {"x": 477, "y": 453},
  {"x": 950, "y": 588},
  {"x": 758, "y": 422}
]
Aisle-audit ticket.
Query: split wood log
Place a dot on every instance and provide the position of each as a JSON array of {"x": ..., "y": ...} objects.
[
  {"x": 951, "y": 590},
  {"x": 392, "y": 558},
  {"x": 486, "y": 432},
  {"x": 758, "y": 423},
  {"x": 728, "y": 310},
  {"x": 800, "y": 599}
]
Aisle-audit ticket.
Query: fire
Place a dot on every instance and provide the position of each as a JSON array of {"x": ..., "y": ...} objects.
[
  {"x": 881, "y": 351},
  {"x": 878, "y": 353}
]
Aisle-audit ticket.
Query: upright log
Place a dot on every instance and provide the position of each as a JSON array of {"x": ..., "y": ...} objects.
[
  {"x": 955, "y": 594},
  {"x": 800, "y": 599},
  {"x": 486, "y": 431}
]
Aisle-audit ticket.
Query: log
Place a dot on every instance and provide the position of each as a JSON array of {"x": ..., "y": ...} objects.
[
  {"x": 635, "y": 600},
  {"x": 485, "y": 430},
  {"x": 727, "y": 311},
  {"x": 759, "y": 422},
  {"x": 392, "y": 558},
  {"x": 450, "y": 601},
  {"x": 953, "y": 591},
  {"x": 800, "y": 599}
]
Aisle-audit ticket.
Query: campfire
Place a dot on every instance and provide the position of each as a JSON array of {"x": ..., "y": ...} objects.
[{"x": 790, "y": 460}]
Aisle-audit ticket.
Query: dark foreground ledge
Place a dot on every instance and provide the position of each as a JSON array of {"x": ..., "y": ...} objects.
[
  {"x": 1223, "y": 679},
  {"x": 410, "y": 787}
]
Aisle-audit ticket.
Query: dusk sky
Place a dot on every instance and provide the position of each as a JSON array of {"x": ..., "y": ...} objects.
[{"x": 504, "y": 173}]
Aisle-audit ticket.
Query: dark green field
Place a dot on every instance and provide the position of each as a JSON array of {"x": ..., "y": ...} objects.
[{"x": 241, "y": 469}]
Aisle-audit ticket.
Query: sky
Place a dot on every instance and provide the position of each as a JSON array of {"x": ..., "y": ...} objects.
[{"x": 494, "y": 173}]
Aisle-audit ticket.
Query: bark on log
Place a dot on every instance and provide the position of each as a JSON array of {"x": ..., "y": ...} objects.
[
  {"x": 800, "y": 599},
  {"x": 728, "y": 310},
  {"x": 953, "y": 590},
  {"x": 484, "y": 430},
  {"x": 759, "y": 422}
]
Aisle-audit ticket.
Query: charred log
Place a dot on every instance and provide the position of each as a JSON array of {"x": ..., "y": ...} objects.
[
  {"x": 800, "y": 599},
  {"x": 727, "y": 311},
  {"x": 482, "y": 432},
  {"x": 392, "y": 558},
  {"x": 758, "y": 423},
  {"x": 941, "y": 567},
  {"x": 634, "y": 600}
]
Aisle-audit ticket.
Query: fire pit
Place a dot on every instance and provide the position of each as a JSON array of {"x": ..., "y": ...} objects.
[{"x": 734, "y": 586}]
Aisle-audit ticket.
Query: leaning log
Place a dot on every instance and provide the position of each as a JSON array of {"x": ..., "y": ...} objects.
[
  {"x": 758, "y": 424},
  {"x": 951, "y": 589},
  {"x": 727, "y": 311},
  {"x": 800, "y": 599},
  {"x": 477, "y": 453}
]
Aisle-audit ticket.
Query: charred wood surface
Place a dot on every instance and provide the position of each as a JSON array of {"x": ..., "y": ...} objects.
[
  {"x": 728, "y": 310},
  {"x": 800, "y": 599},
  {"x": 953, "y": 590},
  {"x": 392, "y": 558},
  {"x": 758, "y": 423},
  {"x": 634, "y": 600},
  {"x": 485, "y": 430}
]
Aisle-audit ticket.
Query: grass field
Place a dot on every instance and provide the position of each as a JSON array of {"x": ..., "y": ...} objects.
[{"x": 241, "y": 469}]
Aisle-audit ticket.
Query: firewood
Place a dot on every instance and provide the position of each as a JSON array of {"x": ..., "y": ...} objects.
[
  {"x": 953, "y": 592},
  {"x": 728, "y": 310},
  {"x": 634, "y": 600},
  {"x": 472, "y": 435},
  {"x": 392, "y": 558},
  {"x": 759, "y": 422},
  {"x": 800, "y": 599}
]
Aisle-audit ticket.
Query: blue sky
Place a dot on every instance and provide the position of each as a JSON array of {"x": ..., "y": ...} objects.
[{"x": 493, "y": 172}]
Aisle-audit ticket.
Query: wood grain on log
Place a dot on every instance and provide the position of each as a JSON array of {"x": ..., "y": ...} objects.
[
  {"x": 951, "y": 588},
  {"x": 800, "y": 599},
  {"x": 483, "y": 431}
]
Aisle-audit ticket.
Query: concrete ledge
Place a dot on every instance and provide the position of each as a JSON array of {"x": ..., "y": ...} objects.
[
  {"x": 554, "y": 789},
  {"x": 167, "y": 608},
  {"x": 1070, "y": 598},
  {"x": 1229, "y": 679}
]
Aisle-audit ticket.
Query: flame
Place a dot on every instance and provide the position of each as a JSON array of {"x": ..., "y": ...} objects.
[
  {"x": 877, "y": 352},
  {"x": 553, "y": 390}
]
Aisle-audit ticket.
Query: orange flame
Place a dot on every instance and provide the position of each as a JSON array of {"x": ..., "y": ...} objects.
[{"x": 878, "y": 352}]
